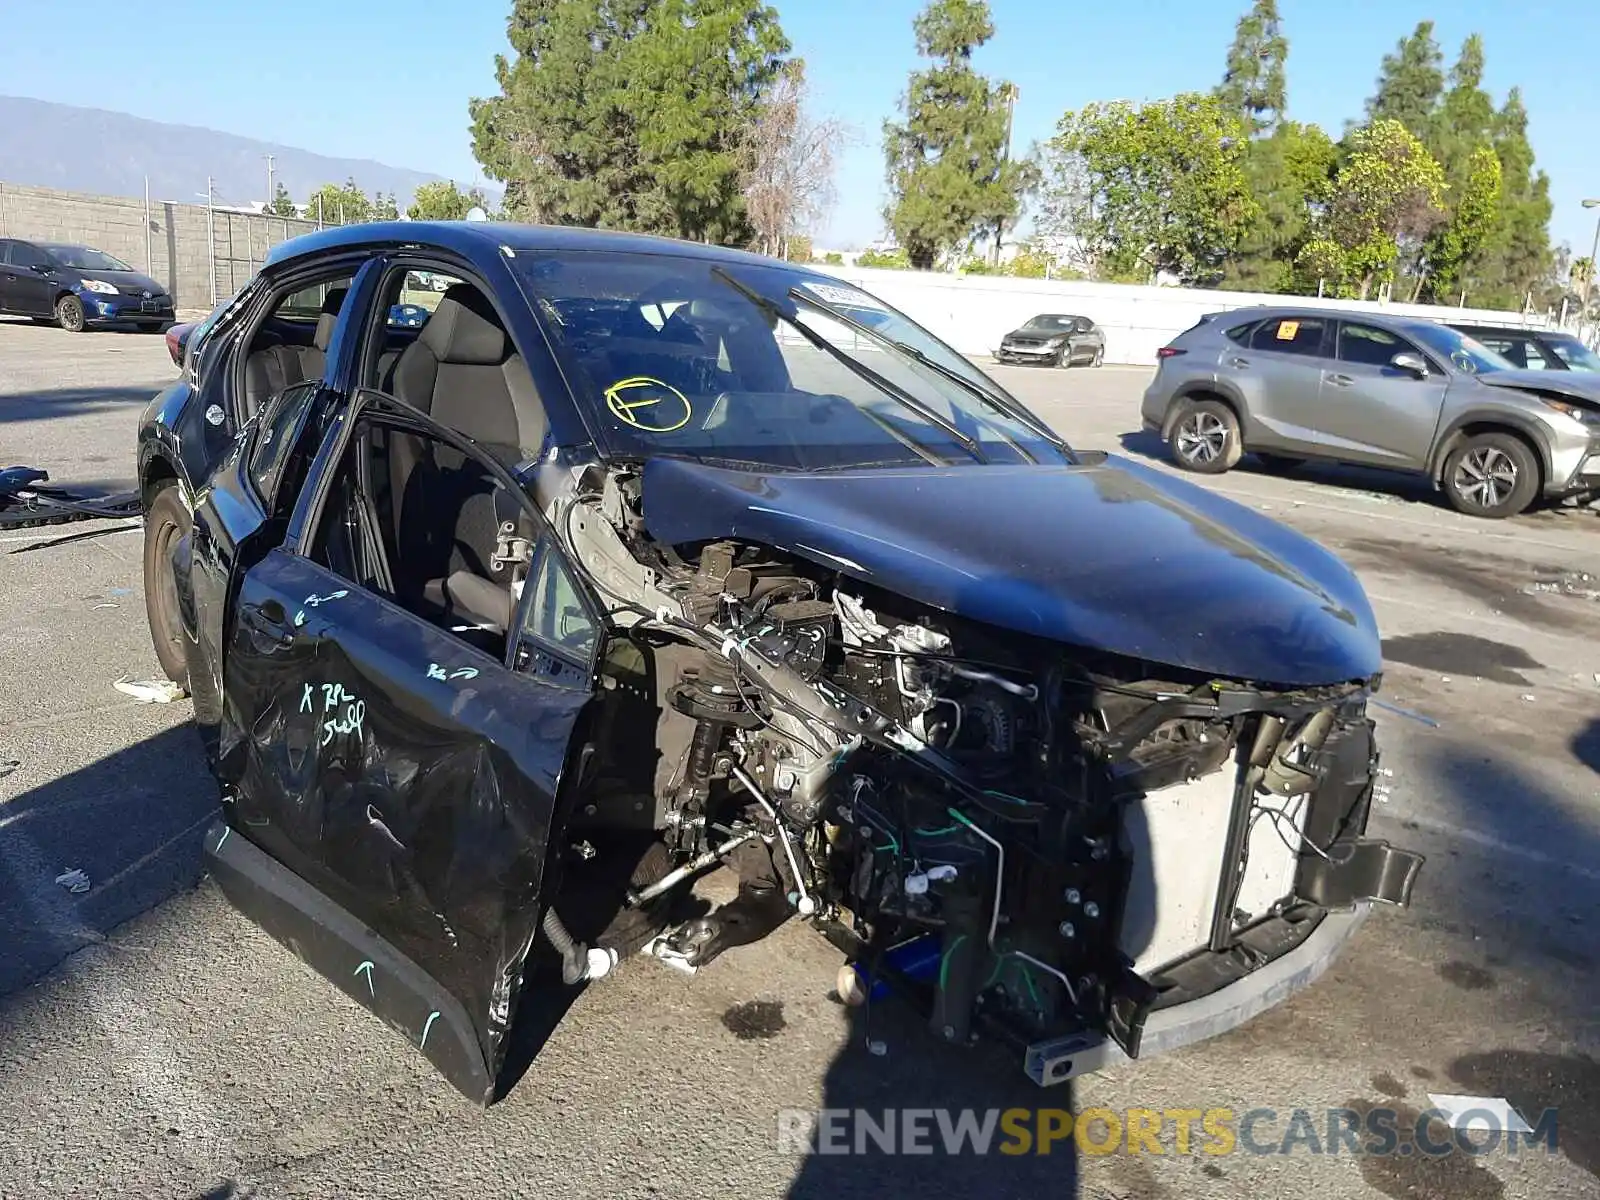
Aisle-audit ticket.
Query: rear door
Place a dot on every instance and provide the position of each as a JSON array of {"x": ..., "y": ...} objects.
[
  {"x": 402, "y": 757},
  {"x": 32, "y": 287},
  {"x": 1279, "y": 372},
  {"x": 1374, "y": 411}
]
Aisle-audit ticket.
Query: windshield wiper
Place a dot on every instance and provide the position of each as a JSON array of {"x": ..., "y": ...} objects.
[
  {"x": 896, "y": 393},
  {"x": 1004, "y": 405}
]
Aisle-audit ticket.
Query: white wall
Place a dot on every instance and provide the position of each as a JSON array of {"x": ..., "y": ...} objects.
[{"x": 973, "y": 312}]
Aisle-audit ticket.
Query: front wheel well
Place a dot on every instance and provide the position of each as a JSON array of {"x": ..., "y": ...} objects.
[{"x": 1474, "y": 428}]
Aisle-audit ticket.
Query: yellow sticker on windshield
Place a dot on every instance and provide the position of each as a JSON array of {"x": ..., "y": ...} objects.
[
  {"x": 648, "y": 404},
  {"x": 1287, "y": 330}
]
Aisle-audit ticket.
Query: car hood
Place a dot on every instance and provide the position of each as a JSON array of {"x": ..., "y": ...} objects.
[
  {"x": 1113, "y": 556},
  {"x": 1581, "y": 385},
  {"x": 125, "y": 281}
]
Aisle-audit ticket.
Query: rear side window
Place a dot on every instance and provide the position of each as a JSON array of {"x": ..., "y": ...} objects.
[
  {"x": 1289, "y": 335},
  {"x": 279, "y": 430}
]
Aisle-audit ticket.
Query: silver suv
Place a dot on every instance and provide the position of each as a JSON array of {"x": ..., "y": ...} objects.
[{"x": 1289, "y": 384}]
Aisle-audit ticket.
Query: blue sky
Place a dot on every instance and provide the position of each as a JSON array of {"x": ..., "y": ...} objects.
[{"x": 390, "y": 79}]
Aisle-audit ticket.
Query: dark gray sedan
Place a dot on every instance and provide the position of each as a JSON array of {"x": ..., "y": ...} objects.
[{"x": 1054, "y": 340}]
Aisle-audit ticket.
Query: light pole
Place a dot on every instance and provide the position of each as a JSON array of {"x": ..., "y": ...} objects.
[{"x": 1588, "y": 280}]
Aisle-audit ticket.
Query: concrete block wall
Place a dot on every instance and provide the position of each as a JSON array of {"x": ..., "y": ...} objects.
[
  {"x": 973, "y": 312},
  {"x": 176, "y": 247}
]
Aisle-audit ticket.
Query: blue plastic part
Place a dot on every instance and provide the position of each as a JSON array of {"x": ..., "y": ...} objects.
[{"x": 917, "y": 959}]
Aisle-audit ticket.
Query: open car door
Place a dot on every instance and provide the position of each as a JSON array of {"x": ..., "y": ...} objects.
[{"x": 404, "y": 681}]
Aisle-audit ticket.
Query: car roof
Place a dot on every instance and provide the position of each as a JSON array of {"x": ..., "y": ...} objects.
[
  {"x": 472, "y": 238},
  {"x": 1503, "y": 330}
]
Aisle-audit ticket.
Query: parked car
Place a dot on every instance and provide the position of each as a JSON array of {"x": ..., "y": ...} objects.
[
  {"x": 1054, "y": 339},
  {"x": 1534, "y": 349},
  {"x": 1288, "y": 384},
  {"x": 639, "y": 557},
  {"x": 77, "y": 287}
]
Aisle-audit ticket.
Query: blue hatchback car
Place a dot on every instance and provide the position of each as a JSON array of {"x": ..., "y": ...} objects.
[
  {"x": 636, "y": 558},
  {"x": 78, "y": 287}
]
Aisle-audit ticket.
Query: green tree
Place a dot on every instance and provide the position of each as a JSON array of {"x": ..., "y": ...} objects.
[
  {"x": 1290, "y": 175},
  {"x": 442, "y": 200},
  {"x": 1518, "y": 258},
  {"x": 1153, "y": 187},
  {"x": 385, "y": 208},
  {"x": 948, "y": 171},
  {"x": 1410, "y": 82},
  {"x": 281, "y": 205},
  {"x": 629, "y": 113},
  {"x": 335, "y": 205},
  {"x": 1474, "y": 219},
  {"x": 1387, "y": 197},
  {"x": 1256, "y": 84}
]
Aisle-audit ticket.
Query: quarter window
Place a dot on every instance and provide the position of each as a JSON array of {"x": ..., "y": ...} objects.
[{"x": 1289, "y": 335}]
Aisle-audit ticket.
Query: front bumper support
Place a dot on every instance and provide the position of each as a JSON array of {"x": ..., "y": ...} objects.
[{"x": 1060, "y": 1059}]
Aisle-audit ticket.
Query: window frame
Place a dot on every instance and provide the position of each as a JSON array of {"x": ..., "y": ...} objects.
[
  {"x": 377, "y": 327},
  {"x": 372, "y": 405},
  {"x": 1322, "y": 351},
  {"x": 1407, "y": 346},
  {"x": 269, "y": 497}
]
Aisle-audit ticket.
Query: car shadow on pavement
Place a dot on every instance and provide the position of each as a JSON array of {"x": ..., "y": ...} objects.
[
  {"x": 921, "y": 1091},
  {"x": 51, "y": 403},
  {"x": 1401, "y": 485},
  {"x": 130, "y": 823}
]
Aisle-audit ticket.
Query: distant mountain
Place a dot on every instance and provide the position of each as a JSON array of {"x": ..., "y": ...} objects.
[{"x": 90, "y": 150}]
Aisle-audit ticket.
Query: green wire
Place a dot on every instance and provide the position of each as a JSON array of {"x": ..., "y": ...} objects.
[
  {"x": 1006, "y": 796},
  {"x": 944, "y": 963},
  {"x": 937, "y": 832}
]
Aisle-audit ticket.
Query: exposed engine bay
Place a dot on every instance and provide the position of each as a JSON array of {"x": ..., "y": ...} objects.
[{"x": 1027, "y": 839}]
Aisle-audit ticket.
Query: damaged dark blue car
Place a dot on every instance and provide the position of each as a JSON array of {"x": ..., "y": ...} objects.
[{"x": 637, "y": 558}]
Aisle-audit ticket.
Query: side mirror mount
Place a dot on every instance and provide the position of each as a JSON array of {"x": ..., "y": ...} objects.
[{"x": 1412, "y": 364}]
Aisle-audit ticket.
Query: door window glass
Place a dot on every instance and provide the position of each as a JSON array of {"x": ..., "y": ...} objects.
[
  {"x": 24, "y": 255},
  {"x": 1532, "y": 359},
  {"x": 1368, "y": 345},
  {"x": 1289, "y": 335}
]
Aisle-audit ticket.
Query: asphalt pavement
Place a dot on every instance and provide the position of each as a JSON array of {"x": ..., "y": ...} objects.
[{"x": 154, "y": 1043}]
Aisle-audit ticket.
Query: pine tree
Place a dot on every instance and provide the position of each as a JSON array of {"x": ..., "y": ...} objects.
[
  {"x": 1255, "y": 85},
  {"x": 1518, "y": 257},
  {"x": 1410, "y": 83},
  {"x": 629, "y": 113},
  {"x": 949, "y": 175},
  {"x": 1462, "y": 130}
]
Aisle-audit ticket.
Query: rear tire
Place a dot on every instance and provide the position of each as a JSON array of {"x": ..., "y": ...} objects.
[
  {"x": 1099, "y": 358},
  {"x": 1205, "y": 438},
  {"x": 1492, "y": 475},
  {"x": 166, "y": 522},
  {"x": 70, "y": 315}
]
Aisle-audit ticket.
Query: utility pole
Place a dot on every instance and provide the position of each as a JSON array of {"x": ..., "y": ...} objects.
[
  {"x": 1588, "y": 280},
  {"x": 211, "y": 234},
  {"x": 272, "y": 190}
]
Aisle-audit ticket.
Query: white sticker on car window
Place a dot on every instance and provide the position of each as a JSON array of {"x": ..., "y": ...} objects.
[{"x": 831, "y": 293}]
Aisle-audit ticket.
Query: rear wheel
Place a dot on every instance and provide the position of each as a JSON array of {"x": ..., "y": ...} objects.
[
  {"x": 69, "y": 314},
  {"x": 166, "y": 522},
  {"x": 1205, "y": 438},
  {"x": 1099, "y": 357},
  {"x": 1491, "y": 475}
]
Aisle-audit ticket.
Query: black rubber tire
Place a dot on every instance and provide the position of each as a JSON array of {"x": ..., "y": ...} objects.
[
  {"x": 1278, "y": 462},
  {"x": 1491, "y": 475},
  {"x": 1099, "y": 359},
  {"x": 70, "y": 315},
  {"x": 1064, "y": 359},
  {"x": 1196, "y": 433},
  {"x": 166, "y": 520}
]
